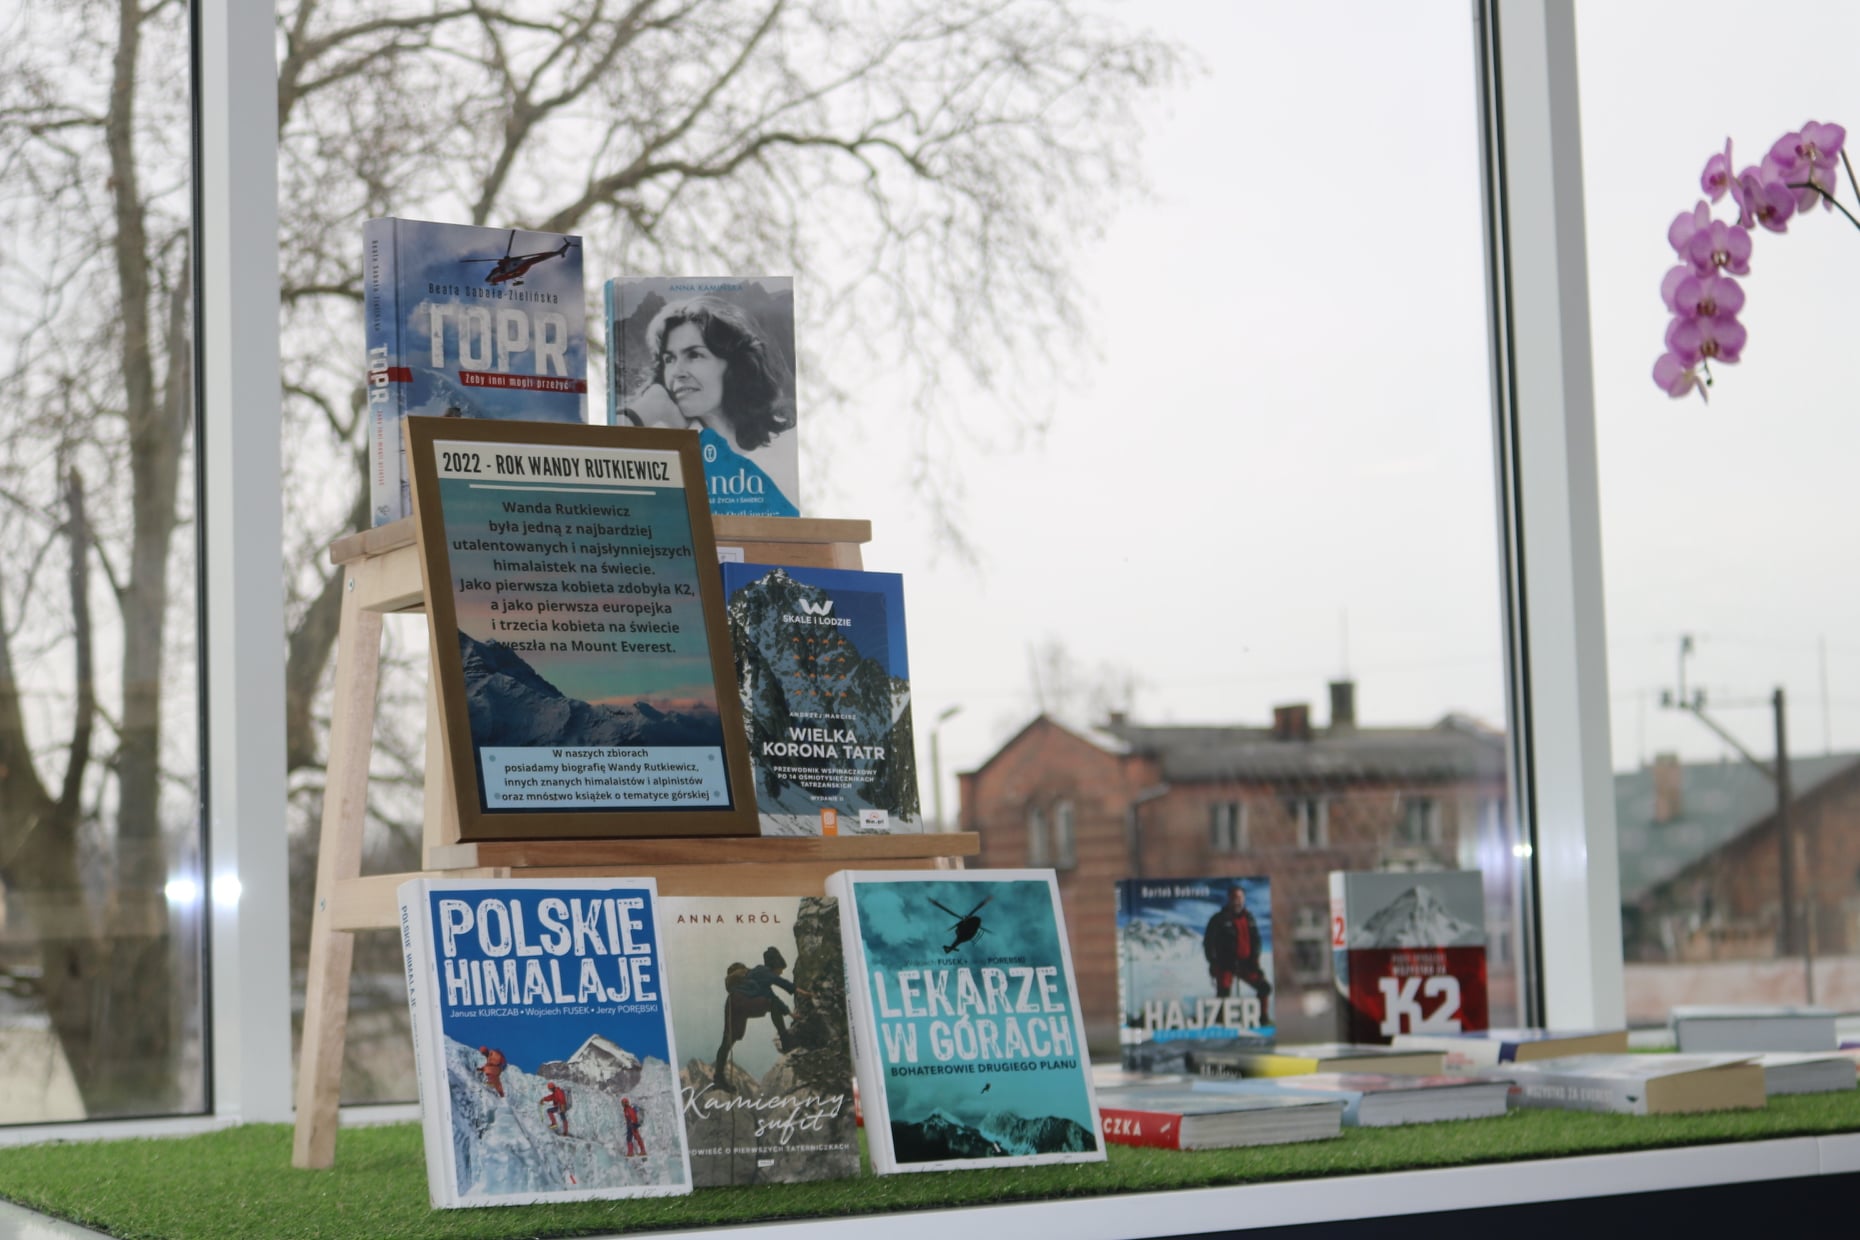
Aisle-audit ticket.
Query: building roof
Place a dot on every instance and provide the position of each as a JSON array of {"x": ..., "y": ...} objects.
[
  {"x": 1455, "y": 748},
  {"x": 1719, "y": 801}
]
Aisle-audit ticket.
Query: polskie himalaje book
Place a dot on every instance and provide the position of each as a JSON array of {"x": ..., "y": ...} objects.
[
  {"x": 967, "y": 1033},
  {"x": 758, "y": 996},
  {"x": 543, "y": 1040},
  {"x": 466, "y": 322},
  {"x": 823, "y": 672},
  {"x": 1194, "y": 968}
]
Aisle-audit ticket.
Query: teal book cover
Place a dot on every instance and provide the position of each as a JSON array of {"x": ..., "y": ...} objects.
[{"x": 966, "y": 1024}]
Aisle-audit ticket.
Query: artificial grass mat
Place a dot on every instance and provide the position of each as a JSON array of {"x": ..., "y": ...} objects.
[{"x": 239, "y": 1182}]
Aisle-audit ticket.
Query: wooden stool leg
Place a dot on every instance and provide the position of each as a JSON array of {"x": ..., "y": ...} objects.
[{"x": 339, "y": 859}]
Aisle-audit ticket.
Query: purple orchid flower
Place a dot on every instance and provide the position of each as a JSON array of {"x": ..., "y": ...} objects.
[
  {"x": 1763, "y": 198},
  {"x": 1720, "y": 247},
  {"x": 1717, "y": 176},
  {"x": 1687, "y": 224},
  {"x": 1808, "y": 159},
  {"x": 1669, "y": 287},
  {"x": 1676, "y": 378},
  {"x": 1695, "y": 340},
  {"x": 1707, "y": 297}
]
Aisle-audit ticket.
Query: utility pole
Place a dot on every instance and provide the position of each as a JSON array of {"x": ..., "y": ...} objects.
[{"x": 1793, "y": 936}]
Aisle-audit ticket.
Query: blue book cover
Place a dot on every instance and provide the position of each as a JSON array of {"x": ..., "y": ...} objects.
[
  {"x": 542, "y": 1039},
  {"x": 967, "y": 1037},
  {"x": 466, "y": 322},
  {"x": 715, "y": 355},
  {"x": 1194, "y": 968},
  {"x": 823, "y": 670}
]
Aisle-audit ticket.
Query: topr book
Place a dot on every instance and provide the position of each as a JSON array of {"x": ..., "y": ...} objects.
[
  {"x": 542, "y": 1040},
  {"x": 824, "y": 674},
  {"x": 466, "y": 322},
  {"x": 1182, "y": 1119},
  {"x": 1653, "y": 1084},
  {"x": 967, "y": 1034},
  {"x": 1194, "y": 968},
  {"x": 714, "y": 355},
  {"x": 758, "y": 996},
  {"x": 1485, "y": 1048},
  {"x": 1407, "y": 953}
]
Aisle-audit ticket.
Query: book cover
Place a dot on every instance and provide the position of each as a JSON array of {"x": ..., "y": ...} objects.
[
  {"x": 1194, "y": 968},
  {"x": 824, "y": 675},
  {"x": 1485, "y": 1048},
  {"x": 466, "y": 322},
  {"x": 758, "y": 996},
  {"x": 1638, "y": 1084},
  {"x": 1408, "y": 953},
  {"x": 543, "y": 1045},
  {"x": 713, "y": 354},
  {"x": 967, "y": 1035}
]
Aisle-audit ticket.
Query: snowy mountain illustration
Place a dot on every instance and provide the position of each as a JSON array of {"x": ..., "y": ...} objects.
[
  {"x": 598, "y": 1062},
  {"x": 503, "y": 1144},
  {"x": 810, "y": 683},
  {"x": 512, "y": 704},
  {"x": 1418, "y": 917},
  {"x": 1155, "y": 941},
  {"x": 939, "y": 1136}
]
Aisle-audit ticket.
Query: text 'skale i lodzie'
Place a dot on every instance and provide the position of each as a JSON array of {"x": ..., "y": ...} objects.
[
  {"x": 823, "y": 671},
  {"x": 715, "y": 355},
  {"x": 1194, "y": 968},
  {"x": 967, "y": 1035},
  {"x": 466, "y": 322},
  {"x": 758, "y": 996},
  {"x": 542, "y": 1039},
  {"x": 1408, "y": 953}
]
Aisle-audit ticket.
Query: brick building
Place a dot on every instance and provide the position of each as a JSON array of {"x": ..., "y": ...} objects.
[
  {"x": 1289, "y": 801},
  {"x": 1701, "y": 861}
]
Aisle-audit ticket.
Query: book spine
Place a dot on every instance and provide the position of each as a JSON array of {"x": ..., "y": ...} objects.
[
  {"x": 616, "y": 348},
  {"x": 1156, "y": 1129},
  {"x": 1340, "y": 954},
  {"x": 867, "y": 1070},
  {"x": 429, "y": 1072},
  {"x": 1127, "y": 1037},
  {"x": 381, "y": 320}
]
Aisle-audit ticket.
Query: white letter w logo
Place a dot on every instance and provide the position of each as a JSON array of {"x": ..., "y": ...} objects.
[{"x": 817, "y": 609}]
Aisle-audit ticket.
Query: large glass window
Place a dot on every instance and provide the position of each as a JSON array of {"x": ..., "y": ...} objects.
[
  {"x": 1726, "y": 523},
  {"x": 101, "y": 1003}
]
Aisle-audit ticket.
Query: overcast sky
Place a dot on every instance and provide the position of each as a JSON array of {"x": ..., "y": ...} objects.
[{"x": 1285, "y": 431}]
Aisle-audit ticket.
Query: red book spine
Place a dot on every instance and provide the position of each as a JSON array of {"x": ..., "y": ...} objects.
[{"x": 1123, "y": 1126}]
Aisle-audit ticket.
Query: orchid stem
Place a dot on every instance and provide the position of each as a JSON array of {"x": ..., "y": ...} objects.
[
  {"x": 1849, "y": 165},
  {"x": 1830, "y": 199}
]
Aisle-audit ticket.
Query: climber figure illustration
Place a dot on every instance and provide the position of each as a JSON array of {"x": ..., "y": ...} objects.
[
  {"x": 635, "y": 1144},
  {"x": 555, "y": 1107},
  {"x": 749, "y": 993},
  {"x": 492, "y": 1069}
]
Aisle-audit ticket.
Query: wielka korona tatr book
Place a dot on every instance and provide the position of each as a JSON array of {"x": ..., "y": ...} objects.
[
  {"x": 966, "y": 1030},
  {"x": 542, "y": 1039},
  {"x": 466, "y": 322}
]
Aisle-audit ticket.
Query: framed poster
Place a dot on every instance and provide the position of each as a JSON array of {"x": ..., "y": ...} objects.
[{"x": 586, "y": 686}]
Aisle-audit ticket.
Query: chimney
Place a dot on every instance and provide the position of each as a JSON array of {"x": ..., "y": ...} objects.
[
  {"x": 1669, "y": 788},
  {"x": 1342, "y": 705},
  {"x": 1291, "y": 723}
]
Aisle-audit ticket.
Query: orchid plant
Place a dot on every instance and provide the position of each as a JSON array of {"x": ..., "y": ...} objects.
[{"x": 1802, "y": 168}]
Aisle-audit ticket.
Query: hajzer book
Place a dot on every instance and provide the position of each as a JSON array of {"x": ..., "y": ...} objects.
[
  {"x": 715, "y": 355},
  {"x": 543, "y": 1040},
  {"x": 967, "y": 1032},
  {"x": 466, "y": 322},
  {"x": 823, "y": 672},
  {"x": 758, "y": 996},
  {"x": 1194, "y": 968},
  {"x": 1408, "y": 953}
]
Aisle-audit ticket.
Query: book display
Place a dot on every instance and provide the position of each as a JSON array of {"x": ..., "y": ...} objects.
[
  {"x": 757, "y": 988},
  {"x": 1194, "y": 968},
  {"x": 1408, "y": 953},
  {"x": 965, "y": 1015},
  {"x": 823, "y": 672},
  {"x": 542, "y": 1041},
  {"x": 466, "y": 322},
  {"x": 716, "y": 355}
]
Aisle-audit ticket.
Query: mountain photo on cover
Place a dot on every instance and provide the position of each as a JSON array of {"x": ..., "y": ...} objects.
[{"x": 977, "y": 1028}]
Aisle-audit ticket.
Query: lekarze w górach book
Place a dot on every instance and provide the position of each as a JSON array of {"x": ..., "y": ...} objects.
[
  {"x": 967, "y": 1039},
  {"x": 543, "y": 1041}
]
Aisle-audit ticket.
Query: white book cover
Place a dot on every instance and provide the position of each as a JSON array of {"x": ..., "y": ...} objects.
[
  {"x": 967, "y": 1034},
  {"x": 542, "y": 1040}
]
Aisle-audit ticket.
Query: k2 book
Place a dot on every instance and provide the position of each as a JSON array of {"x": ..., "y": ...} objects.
[
  {"x": 715, "y": 355},
  {"x": 758, "y": 996},
  {"x": 967, "y": 1033},
  {"x": 466, "y": 322},
  {"x": 1407, "y": 953},
  {"x": 1194, "y": 968},
  {"x": 823, "y": 670},
  {"x": 542, "y": 1040}
]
